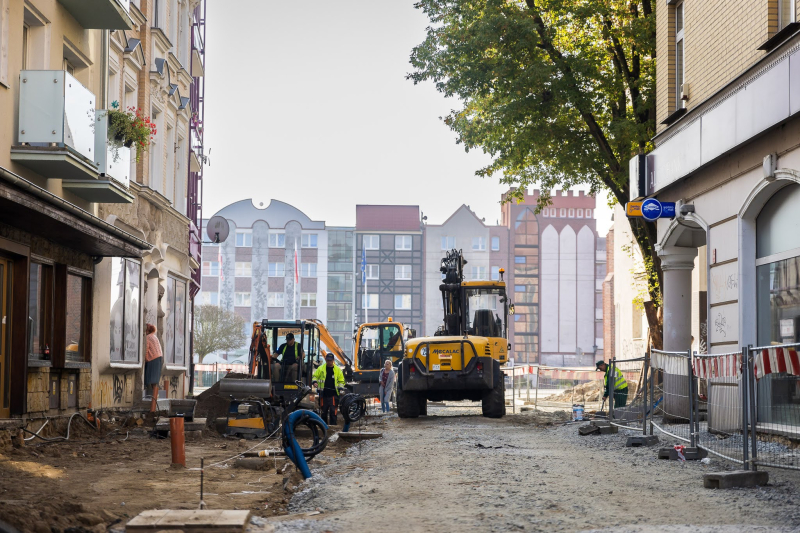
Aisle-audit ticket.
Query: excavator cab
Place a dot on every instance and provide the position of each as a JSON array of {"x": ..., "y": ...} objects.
[{"x": 282, "y": 375}]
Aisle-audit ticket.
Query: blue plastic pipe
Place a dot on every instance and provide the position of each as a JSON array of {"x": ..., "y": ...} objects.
[{"x": 293, "y": 450}]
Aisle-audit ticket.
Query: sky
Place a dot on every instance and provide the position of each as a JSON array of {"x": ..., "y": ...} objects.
[{"x": 307, "y": 103}]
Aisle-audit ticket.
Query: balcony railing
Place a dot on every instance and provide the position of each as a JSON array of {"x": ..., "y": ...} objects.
[
  {"x": 59, "y": 136},
  {"x": 101, "y": 14}
]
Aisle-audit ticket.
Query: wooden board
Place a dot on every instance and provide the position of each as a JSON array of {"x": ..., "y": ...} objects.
[{"x": 190, "y": 521}]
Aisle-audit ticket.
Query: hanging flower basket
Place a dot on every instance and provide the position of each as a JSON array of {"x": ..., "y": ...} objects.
[{"x": 129, "y": 128}]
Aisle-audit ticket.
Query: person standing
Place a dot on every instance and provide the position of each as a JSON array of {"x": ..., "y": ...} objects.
[
  {"x": 332, "y": 380},
  {"x": 291, "y": 353},
  {"x": 386, "y": 385},
  {"x": 153, "y": 358},
  {"x": 617, "y": 384}
]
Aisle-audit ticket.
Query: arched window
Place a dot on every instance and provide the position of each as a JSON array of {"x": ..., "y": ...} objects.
[{"x": 526, "y": 228}]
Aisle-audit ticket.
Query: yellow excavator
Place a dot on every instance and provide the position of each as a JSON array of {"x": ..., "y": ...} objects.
[{"x": 462, "y": 360}]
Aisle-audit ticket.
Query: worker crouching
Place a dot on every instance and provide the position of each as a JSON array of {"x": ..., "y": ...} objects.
[
  {"x": 617, "y": 383},
  {"x": 332, "y": 379}
]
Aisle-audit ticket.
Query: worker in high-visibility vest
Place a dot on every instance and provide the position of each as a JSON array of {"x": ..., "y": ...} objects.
[{"x": 617, "y": 383}]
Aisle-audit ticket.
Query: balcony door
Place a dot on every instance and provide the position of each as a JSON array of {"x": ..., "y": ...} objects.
[{"x": 5, "y": 328}]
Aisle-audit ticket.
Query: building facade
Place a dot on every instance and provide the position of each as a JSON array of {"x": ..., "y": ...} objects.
[
  {"x": 253, "y": 272},
  {"x": 390, "y": 239},
  {"x": 484, "y": 247},
  {"x": 341, "y": 279},
  {"x": 726, "y": 152},
  {"x": 96, "y": 250}
]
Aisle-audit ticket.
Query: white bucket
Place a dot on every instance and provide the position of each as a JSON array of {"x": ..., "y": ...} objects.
[{"x": 577, "y": 411}]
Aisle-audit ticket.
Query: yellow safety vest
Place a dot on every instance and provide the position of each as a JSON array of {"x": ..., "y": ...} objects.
[{"x": 619, "y": 382}]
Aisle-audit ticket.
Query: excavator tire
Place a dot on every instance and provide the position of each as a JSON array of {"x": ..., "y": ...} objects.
[
  {"x": 408, "y": 404},
  {"x": 423, "y": 405},
  {"x": 493, "y": 403}
]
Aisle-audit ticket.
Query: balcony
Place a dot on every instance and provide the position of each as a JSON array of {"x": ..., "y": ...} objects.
[
  {"x": 198, "y": 53},
  {"x": 101, "y": 14},
  {"x": 57, "y": 127}
]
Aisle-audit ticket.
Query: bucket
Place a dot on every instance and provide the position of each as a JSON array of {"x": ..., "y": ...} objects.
[{"x": 577, "y": 411}]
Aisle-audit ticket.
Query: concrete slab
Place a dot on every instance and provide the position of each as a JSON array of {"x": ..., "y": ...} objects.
[
  {"x": 645, "y": 440},
  {"x": 735, "y": 479},
  {"x": 190, "y": 521},
  {"x": 690, "y": 454},
  {"x": 588, "y": 429}
]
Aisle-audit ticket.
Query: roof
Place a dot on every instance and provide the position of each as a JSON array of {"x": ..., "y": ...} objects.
[
  {"x": 277, "y": 215},
  {"x": 387, "y": 218}
]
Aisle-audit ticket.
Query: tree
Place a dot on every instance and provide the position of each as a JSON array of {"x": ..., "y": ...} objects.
[
  {"x": 558, "y": 92},
  {"x": 217, "y": 329}
]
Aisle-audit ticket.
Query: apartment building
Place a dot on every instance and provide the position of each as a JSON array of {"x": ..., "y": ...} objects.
[
  {"x": 91, "y": 247},
  {"x": 253, "y": 272},
  {"x": 726, "y": 152},
  {"x": 389, "y": 240}
]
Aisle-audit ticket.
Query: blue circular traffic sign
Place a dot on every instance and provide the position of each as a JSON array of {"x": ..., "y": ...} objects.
[{"x": 651, "y": 209}]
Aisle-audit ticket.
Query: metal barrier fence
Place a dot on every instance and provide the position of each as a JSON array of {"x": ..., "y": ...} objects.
[
  {"x": 554, "y": 387},
  {"x": 673, "y": 408},
  {"x": 628, "y": 407}
]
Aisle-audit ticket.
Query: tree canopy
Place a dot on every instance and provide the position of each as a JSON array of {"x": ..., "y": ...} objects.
[
  {"x": 217, "y": 329},
  {"x": 559, "y": 92}
]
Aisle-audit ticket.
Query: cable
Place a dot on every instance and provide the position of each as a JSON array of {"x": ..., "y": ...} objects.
[
  {"x": 353, "y": 407},
  {"x": 59, "y": 439}
]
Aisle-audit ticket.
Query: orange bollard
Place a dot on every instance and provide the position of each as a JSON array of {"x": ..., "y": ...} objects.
[{"x": 178, "y": 441}]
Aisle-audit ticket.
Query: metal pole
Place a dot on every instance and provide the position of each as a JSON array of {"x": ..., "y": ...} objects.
[
  {"x": 528, "y": 384},
  {"x": 644, "y": 393},
  {"x": 745, "y": 406},
  {"x": 692, "y": 442},
  {"x": 610, "y": 381},
  {"x": 536, "y": 394},
  {"x": 696, "y": 401},
  {"x": 652, "y": 393},
  {"x": 753, "y": 415},
  {"x": 513, "y": 400}
]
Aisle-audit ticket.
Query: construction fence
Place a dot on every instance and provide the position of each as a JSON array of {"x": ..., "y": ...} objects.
[
  {"x": 554, "y": 387},
  {"x": 741, "y": 406}
]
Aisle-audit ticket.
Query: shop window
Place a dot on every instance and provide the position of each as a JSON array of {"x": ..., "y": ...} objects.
[
  {"x": 175, "y": 322},
  {"x": 40, "y": 312},
  {"x": 125, "y": 317},
  {"x": 77, "y": 323}
]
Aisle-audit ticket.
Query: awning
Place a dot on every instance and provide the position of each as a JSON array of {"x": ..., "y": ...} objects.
[{"x": 28, "y": 207}]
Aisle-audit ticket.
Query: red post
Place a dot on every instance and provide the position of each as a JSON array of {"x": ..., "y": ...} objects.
[{"x": 178, "y": 441}]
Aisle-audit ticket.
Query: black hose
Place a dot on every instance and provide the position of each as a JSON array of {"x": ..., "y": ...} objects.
[{"x": 353, "y": 407}]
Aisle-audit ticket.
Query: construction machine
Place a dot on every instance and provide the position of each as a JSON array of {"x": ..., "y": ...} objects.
[
  {"x": 462, "y": 360},
  {"x": 375, "y": 343}
]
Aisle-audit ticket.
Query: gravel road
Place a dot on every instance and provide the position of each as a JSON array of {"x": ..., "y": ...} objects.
[{"x": 455, "y": 470}]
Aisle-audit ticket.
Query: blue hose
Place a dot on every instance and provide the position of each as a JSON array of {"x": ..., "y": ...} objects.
[{"x": 290, "y": 445}]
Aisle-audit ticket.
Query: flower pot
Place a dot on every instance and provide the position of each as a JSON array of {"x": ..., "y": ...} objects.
[{"x": 127, "y": 143}]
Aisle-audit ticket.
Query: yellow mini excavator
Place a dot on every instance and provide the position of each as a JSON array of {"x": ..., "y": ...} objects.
[{"x": 462, "y": 360}]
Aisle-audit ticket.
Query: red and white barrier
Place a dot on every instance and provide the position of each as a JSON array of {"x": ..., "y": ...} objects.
[
  {"x": 776, "y": 360},
  {"x": 721, "y": 366}
]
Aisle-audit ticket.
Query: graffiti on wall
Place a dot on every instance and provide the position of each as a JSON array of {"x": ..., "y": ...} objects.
[
  {"x": 118, "y": 388},
  {"x": 173, "y": 387}
]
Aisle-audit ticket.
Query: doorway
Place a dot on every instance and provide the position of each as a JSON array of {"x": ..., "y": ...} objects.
[{"x": 5, "y": 328}]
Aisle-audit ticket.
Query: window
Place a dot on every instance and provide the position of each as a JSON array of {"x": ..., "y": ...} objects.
[
  {"x": 369, "y": 301},
  {"x": 241, "y": 299},
  {"x": 402, "y": 301},
  {"x": 571, "y": 213},
  {"x": 308, "y": 299},
  {"x": 209, "y": 298},
  {"x": 580, "y": 213},
  {"x": 40, "y": 309},
  {"x": 402, "y": 272},
  {"x": 244, "y": 238},
  {"x": 545, "y": 213},
  {"x": 26, "y": 31},
  {"x": 786, "y": 13},
  {"x": 495, "y": 273},
  {"x": 244, "y": 269},
  {"x": 211, "y": 268},
  {"x": 372, "y": 242},
  {"x": 77, "y": 326},
  {"x": 175, "y": 322},
  {"x": 373, "y": 271},
  {"x": 679, "y": 46},
  {"x": 308, "y": 270},
  {"x": 479, "y": 244},
  {"x": 309, "y": 240},
  {"x": 562, "y": 212},
  {"x": 588, "y": 213},
  {"x": 495, "y": 244},
  {"x": 478, "y": 273},
  {"x": 276, "y": 270},
  {"x": 277, "y": 240},
  {"x": 402, "y": 242},
  {"x": 125, "y": 317},
  {"x": 519, "y": 288},
  {"x": 519, "y": 259},
  {"x": 448, "y": 243},
  {"x": 275, "y": 299}
]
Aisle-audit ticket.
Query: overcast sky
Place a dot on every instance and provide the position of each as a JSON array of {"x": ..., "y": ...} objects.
[{"x": 307, "y": 103}]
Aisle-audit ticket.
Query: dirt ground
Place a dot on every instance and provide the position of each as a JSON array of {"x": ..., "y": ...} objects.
[
  {"x": 101, "y": 479},
  {"x": 455, "y": 470}
]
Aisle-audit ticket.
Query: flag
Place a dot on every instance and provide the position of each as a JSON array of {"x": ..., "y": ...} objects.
[
  {"x": 363, "y": 265},
  {"x": 219, "y": 260}
]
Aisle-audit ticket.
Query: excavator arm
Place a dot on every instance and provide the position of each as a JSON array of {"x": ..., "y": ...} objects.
[{"x": 326, "y": 337}]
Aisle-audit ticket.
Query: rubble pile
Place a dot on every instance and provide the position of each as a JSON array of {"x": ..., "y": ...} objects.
[{"x": 588, "y": 392}]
